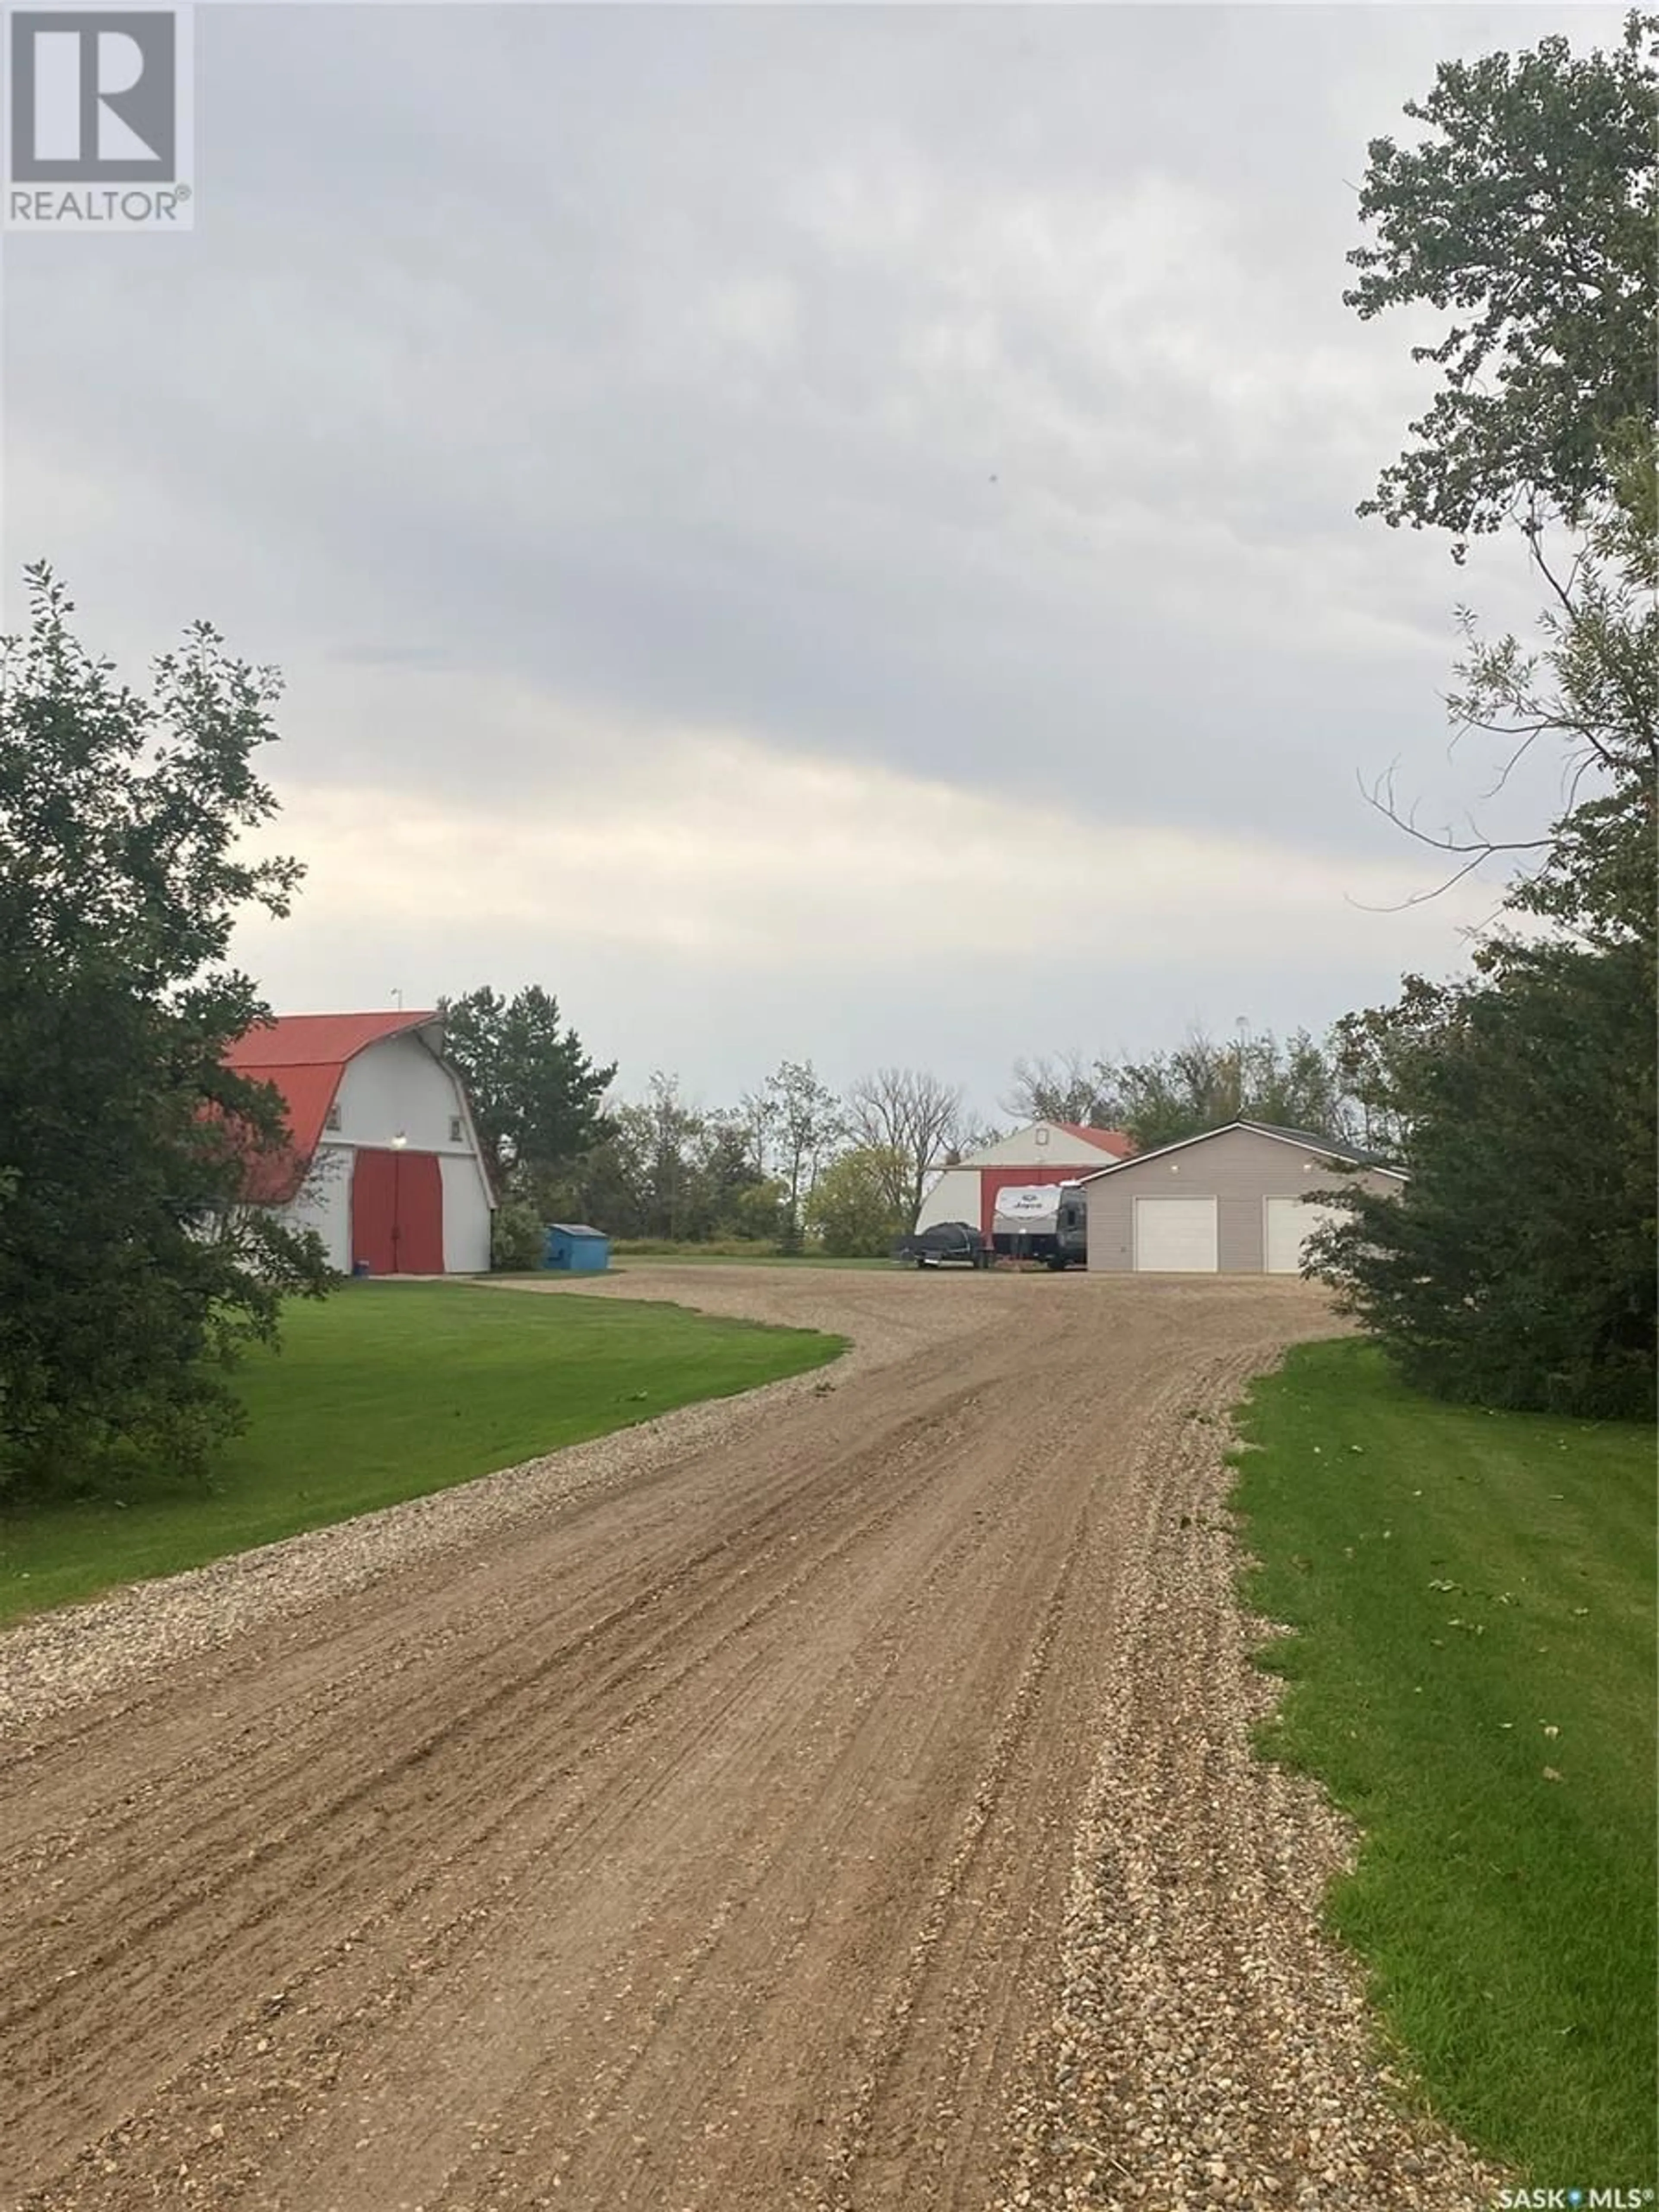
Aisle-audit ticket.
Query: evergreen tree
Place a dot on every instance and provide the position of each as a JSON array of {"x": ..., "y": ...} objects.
[{"x": 536, "y": 1094}]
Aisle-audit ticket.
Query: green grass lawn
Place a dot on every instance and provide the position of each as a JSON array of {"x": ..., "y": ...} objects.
[
  {"x": 387, "y": 1391},
  {"x": 1472, "y": 1680}
]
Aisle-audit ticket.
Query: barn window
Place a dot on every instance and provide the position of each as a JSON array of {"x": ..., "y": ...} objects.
[
  {"x": 331, "y": 1119},
  {"x": 455, "y": 1133}
]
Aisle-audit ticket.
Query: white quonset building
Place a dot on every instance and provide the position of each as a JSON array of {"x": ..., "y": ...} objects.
[
  {"x": 383, "y": 1158},
  {"x": 1034, "y": 1159}
]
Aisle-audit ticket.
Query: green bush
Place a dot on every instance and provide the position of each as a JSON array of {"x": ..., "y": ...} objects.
[
  {"x": 854, "y": 1212},
  {"x": 517, "y": 1238}
]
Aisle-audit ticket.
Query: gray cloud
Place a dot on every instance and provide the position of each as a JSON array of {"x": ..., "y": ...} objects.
[{"x": 961, "y": 394}]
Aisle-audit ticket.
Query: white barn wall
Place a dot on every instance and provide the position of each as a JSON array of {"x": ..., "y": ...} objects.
[
  {"x": 397, "y": 1086},
  {"x": 1030, "y": 1148},
  {"x": 466, "y": 1218},
  {"x": 325, "y": 1204},
  {"x": 954, "y": 1197}
]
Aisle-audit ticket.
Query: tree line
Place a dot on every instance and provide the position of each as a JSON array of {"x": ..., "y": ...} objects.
[
  {"x": 1520, "y": 1268},
  {"x": 793, "y": 1163},
  {"x": 1517, "y": 1270},
  {"x": 788, "y": 1162}
]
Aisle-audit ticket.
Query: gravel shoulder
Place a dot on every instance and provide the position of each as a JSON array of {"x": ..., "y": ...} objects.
[
  {"x": 835, "y": 1797},
  {"x": 54, "y": 1661}
]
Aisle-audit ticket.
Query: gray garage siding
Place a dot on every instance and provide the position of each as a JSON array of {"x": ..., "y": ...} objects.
[{"x": 1239, "y": 1168}]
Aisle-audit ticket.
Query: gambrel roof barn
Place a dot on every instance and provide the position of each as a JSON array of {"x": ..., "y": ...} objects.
[{"x": 383, "y": 1160}]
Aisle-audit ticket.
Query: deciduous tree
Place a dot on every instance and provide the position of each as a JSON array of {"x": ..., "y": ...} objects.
[
  {"x": 1058, "y": 1087},
  {"x": 1517, "y": 1268},
  {"x": 123, "y": 1138},
  {"x": 1202, "y": 1083},
  {"x": 905, "y": 1122},
  {"x": 804, "y": 1123},
  {"x": 1526, "y": 212},
  {"x": 853, "y": 1210}
]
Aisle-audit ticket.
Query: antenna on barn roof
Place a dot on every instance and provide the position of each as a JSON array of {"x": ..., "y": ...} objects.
[{"x": 398, "y": 996}]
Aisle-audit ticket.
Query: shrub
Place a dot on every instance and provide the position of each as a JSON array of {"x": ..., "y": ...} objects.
[{"x": 517, "y": 1238}]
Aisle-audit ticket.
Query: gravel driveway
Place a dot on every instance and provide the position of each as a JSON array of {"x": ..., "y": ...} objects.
[{"x": 837, "y": 1797}]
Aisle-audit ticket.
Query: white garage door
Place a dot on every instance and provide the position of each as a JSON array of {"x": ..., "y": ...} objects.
[
  {"x": 1175, "y": 1236},
  {"x": 1291, "y": 1222}
]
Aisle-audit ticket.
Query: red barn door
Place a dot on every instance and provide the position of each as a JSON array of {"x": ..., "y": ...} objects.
[
  {"x": 420, "y": 1222},
  {"x": 398, "y": 1212}
]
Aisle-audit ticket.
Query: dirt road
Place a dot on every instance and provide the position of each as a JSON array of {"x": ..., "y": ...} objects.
[{"x": 725, "y": 1839}]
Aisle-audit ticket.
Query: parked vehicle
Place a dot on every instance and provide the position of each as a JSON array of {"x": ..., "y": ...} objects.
[
  {"x": 947, "y": 1243},
  {"x": 1043, "y": 1222},
  {"x": 1071, "y": 1229}
]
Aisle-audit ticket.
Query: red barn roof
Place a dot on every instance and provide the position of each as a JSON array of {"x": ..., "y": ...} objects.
[
  {"x": 317, "y": 1040},
  {"x": 304, "y": 1056},
  {"x": 1117, "y": 1142}
]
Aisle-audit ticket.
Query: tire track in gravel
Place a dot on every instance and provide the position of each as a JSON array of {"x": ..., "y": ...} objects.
[
  {"x": 708, "y": 1842},
  {"x": 314, "y": 1815}
]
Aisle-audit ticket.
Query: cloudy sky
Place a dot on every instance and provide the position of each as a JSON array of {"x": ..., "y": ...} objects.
[{"x": 805, "y": 532}]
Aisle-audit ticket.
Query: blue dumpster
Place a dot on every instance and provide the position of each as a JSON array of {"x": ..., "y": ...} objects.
[{"x": 575, "y": 1249}]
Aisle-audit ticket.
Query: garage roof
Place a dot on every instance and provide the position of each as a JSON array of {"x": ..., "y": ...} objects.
[{"x": 1330, "y": 1148}]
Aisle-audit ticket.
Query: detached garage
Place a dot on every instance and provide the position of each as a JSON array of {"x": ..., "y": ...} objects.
[{"x": 1239, "y": 1200}]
